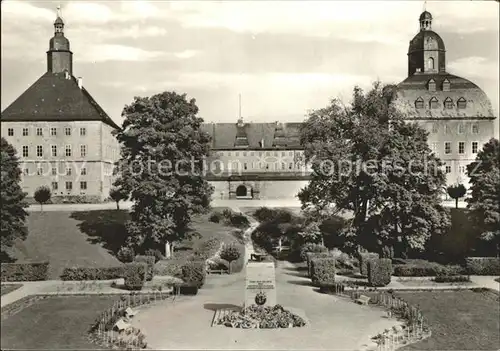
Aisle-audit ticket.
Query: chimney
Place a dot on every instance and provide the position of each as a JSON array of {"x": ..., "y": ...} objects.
[{"x": 80, "y": 82}]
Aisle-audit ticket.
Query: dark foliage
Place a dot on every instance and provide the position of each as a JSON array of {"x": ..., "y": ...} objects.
[
  {"x": 92, "y": 273},
  {"x": 21, "y": 272},
  {"x": 379, "y": 272}
]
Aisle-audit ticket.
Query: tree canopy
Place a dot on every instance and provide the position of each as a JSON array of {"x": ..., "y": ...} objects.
[
  {"x": 456, "y": 192},
  {"x": 163, "y": 149},
  {"x": 13, "y": 202},
  {"x": 484, "y": 175},
  {"x": 367, "y": 160}
]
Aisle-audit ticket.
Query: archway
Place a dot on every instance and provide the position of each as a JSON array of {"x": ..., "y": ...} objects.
[{"x": 241, "y": 191}]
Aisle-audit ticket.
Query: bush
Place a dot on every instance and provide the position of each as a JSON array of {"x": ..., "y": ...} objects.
[
  {"x": 150, "y": 261},
  {"x": 92, "y": 273},
  {"x": 42, "y": 195},
  {"x": 364, "y": 258},
  {"x": 452, "y": 278},
  {"x": 323, "y": 271},
  {"x": 194, "y": 273},
  {"x": 264, "y": 214},
  {"x": 311, "y": 255},
  {"x": 263, "y": 317},
  {"x": 215, "y": 217},
  {"x": 135, "y": 275},
  {"x": 422, "y": 268},
  {"x": 207, "y": 249},
  {"x": 22, "y": 272},
  {"x": 238, "y": 265},
  {"x": 239, "y": 220},
  {"x": 483, "y": 265},
  {"x": 230, "y": 253},
  {"x": 171, "y": 268},
  {"x": 311, "y": 247},
  {"x": 379, "y": 271},
  {"x": 126, "y": 254}
]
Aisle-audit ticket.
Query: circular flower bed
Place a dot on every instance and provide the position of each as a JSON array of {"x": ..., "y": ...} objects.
[{"x": 262, "y": 317}]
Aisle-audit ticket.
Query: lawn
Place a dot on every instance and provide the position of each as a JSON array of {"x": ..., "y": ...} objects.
[
  {"x": 459, "y": 320},
  {"x": 7, "y": 288},
  {"x": 54, "y": 323}
]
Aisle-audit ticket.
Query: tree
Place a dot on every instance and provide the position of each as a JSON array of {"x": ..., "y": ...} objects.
[
  {"x": 368, "y": 161},
  {"x": 230, "y": 253},
  {"x": 161, "y": 169},
  {"x": 117, "y": 195},
  {"x": 484, "y": 175},
  {"x": 42, "y": 195},
  {"x": 456, "y": 192},
  {"x": 12, "y": 213}
]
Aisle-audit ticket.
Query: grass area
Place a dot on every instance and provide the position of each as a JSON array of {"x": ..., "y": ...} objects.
[
  {"x": 251, "y": 210},
  {"x": 7, "y": 288},
  {"x": 54, "y": 323},
  {"x": 428, "y": 282},
  {"x": 459, "y": 320}
]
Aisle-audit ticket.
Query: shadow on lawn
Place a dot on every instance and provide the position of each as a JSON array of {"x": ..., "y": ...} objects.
[
  {"x": 300, "y": 282},
  {"x": 106, "y": 227}
]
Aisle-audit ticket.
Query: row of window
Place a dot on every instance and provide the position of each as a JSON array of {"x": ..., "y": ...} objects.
[
  {"x": 461, "y": 128},
  {"x": 257, "y": 153},
  {"x": 53, "y": 151},
  {"x": 431, "y": 84},
  {"x": 69, "y": 186},
  {"x": 261, "y": 165},
  {"x": 69, "y": 171},
  {"x": 461, "y": 169},
  {"x": 461, "y": 147},
  {"x": 53, "y": 131},
  {"x": 447, "y": 104}
]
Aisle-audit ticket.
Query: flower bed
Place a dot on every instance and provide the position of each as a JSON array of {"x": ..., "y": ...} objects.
[{"x": 260, "y": 317}]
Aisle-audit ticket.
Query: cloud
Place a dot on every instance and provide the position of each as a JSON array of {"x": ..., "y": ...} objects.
[
  {"x": 474, "y": 66},
  {"x": 186, "y": 54},
  {"x": 17, "y": 10},
  {"x": 110, "y": 52}
]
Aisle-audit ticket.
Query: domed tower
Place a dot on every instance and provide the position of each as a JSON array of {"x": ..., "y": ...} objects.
[
  {"x": 59, "y": 56},
  {"x": 426, "y": 53}
]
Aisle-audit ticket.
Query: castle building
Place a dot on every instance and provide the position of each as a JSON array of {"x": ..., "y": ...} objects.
[
  {"x": 456, "y": 113},
  {"x": 62, "y": 136}
]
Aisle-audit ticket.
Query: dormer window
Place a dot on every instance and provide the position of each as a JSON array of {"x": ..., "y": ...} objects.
[
  {"x": 446, "y": 85},
  {"x": 448, "y": 103},
  {"x": 419, "y": 103},
  {"x": 461, "y": 103},
  {"x": 432, "y": 85},
  {"x": 433, "y": 103}
]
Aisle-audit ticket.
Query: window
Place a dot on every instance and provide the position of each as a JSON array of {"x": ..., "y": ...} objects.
[
  {"x": 25, "y": 132},
  {"x": 461, "y": 128},
  {"x": 244, "y": 153},
  {"x": 25, "y": 151},
  {"x": 276, "y": 153},
  {"x": 251, "y": 154},
  {"x": 435, "y": 148},
  {"x": 83, "y": 171},
  {"x": 475, "y": 128},
  {"x": 283, "y": 166},
  {"x": 419, "y": 103},
  {"x": 461, "y": 147},
  {"x": 26, "y": 171},
  {"x": 69, "y": 186},
  {"x": 290, "y": 166},
  {"x": 432, "y": 85},
  {"x": 83, "y": 185},
  {"x": 236, "y": 154},
  {"x": 39, "y": 151},
  {"x": 54, "y": 171},
  {"x": 446, "y": 85},
  {"x": 67, "y": 131},
  {"x": 53, "y": 150},
  {"x": 433, "y": 103},
  {"x": 283, "y": 153},
  {"x": 290, "y": 153},
  {"x": 448, "y": 103},
  {"x": 448, "y": 169},
  {"x": 435, "y": 128},
  {"x": 446, "y": 129},
  {"x": 54, "y": 185},
  {"x": 461, "y": 169},
  {"x": 268, "y": 153},
  {"x": 229, "y": 153},
  {"x": 53, "y": 131},
  {"x": 39, "y": 131},
  {"x": 430, "y": 63},
  {"x": 267, "y": 165},
  {"x": 83, "y": 150},
  {"x": 68, "y": 150},
  {"x": 69, "y": 171},
  {"x": 447, "y": 148},
  {"x": 474, "y": 147},
  {"x": 461, "y": 103},
  {"x": 83, "y": 131},
  {"x": 39, "y": 171},
  {"x": 10, "y": 131}
]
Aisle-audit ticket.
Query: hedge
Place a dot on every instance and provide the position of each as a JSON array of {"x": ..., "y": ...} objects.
[
  {"x": 23, "y": 272},
  {"x": 422, "y": 268},
  {"x": 170, "y": 267},
  {"x": 135, "y": 275},
  {"x": 451, "y": 278},
  {"x": 483, "y": 265},
  {"x": 194, "y": 273},
  {"x": 92, "y": 273},
  {"x": 323, "y": 271},
  {"x": 150, "y": 261},
  {"x": 364, "y": 258},
  {"x": 310, "y": 247},
  {"x": 237, "y": 265},
  {"x": 311, "y": 255},
  {"x": 379, "y": 271}
]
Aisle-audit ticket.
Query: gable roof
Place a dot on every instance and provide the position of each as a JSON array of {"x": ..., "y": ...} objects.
[
  {"x": 54, "y": 98},
  {"x": 224, "y": 135}
]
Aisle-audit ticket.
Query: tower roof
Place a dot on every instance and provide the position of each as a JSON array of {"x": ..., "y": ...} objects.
[
  {"x": 422, "y": 37},
  {"x": 58, "y": 20},
  {"x": 426, "y": 15}
]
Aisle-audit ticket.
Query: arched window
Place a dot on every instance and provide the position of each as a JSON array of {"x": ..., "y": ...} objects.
[
  {"x": 461, "y": 103},
  {"x": 433, "y": 103},
  {"x": 419, "y": 103},
  {"x": 446, "y": 85},
  {"x": 448, "y": 103},
  {"x": 430, "y": 63},
  {"x": 431, "y": 85}
]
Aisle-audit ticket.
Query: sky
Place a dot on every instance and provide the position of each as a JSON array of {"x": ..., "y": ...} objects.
[{"x": 284, "y": 57}]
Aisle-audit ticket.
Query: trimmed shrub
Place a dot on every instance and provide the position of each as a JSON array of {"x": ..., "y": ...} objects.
[
  {"x": 379, "y": 271},
  {"x": 239, "y": 220},
  {"x": 230, "y": 253},
  {"x": 155, "y": 253},
  {"x": 23, "y": 272},
  {"x": 264, "y": 214},
  {"x": 237, "y": 266},
  {"x": 126, "y": 254},
  {"x": 194, "y": 273},
  {"x": 92, "y": 273},
  {"x": 422, "y": 268},
  {"x": 150, "y": 261},
  {"x": 135, "y": 275},
  {"x": 311, "y": 247},
  {"x": 215, "y": 217},
  {"x": 452, "y": 278},
  {"x": 171, "y": 268},
  {"x": 483, "y": 265},
  {"x": 323, "y": 271},
  {"x": 364, "y": 258},
  {"x": 311, "y": 255}
]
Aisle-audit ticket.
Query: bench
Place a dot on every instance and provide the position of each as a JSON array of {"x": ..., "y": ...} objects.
[
  {"x": 218, "y": 271},
  {"x": 257, "y": 257},
  {"x": 363, "y": 300}
]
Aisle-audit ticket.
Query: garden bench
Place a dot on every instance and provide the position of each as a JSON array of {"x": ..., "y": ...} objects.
[
  {"x": 130, "y": 312},
  {"x": 363, "y": 300},
  {"x": 257, "y": 257},
  {"x": 121, "y": 325},
  {"x": 218, "y": 271}
]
